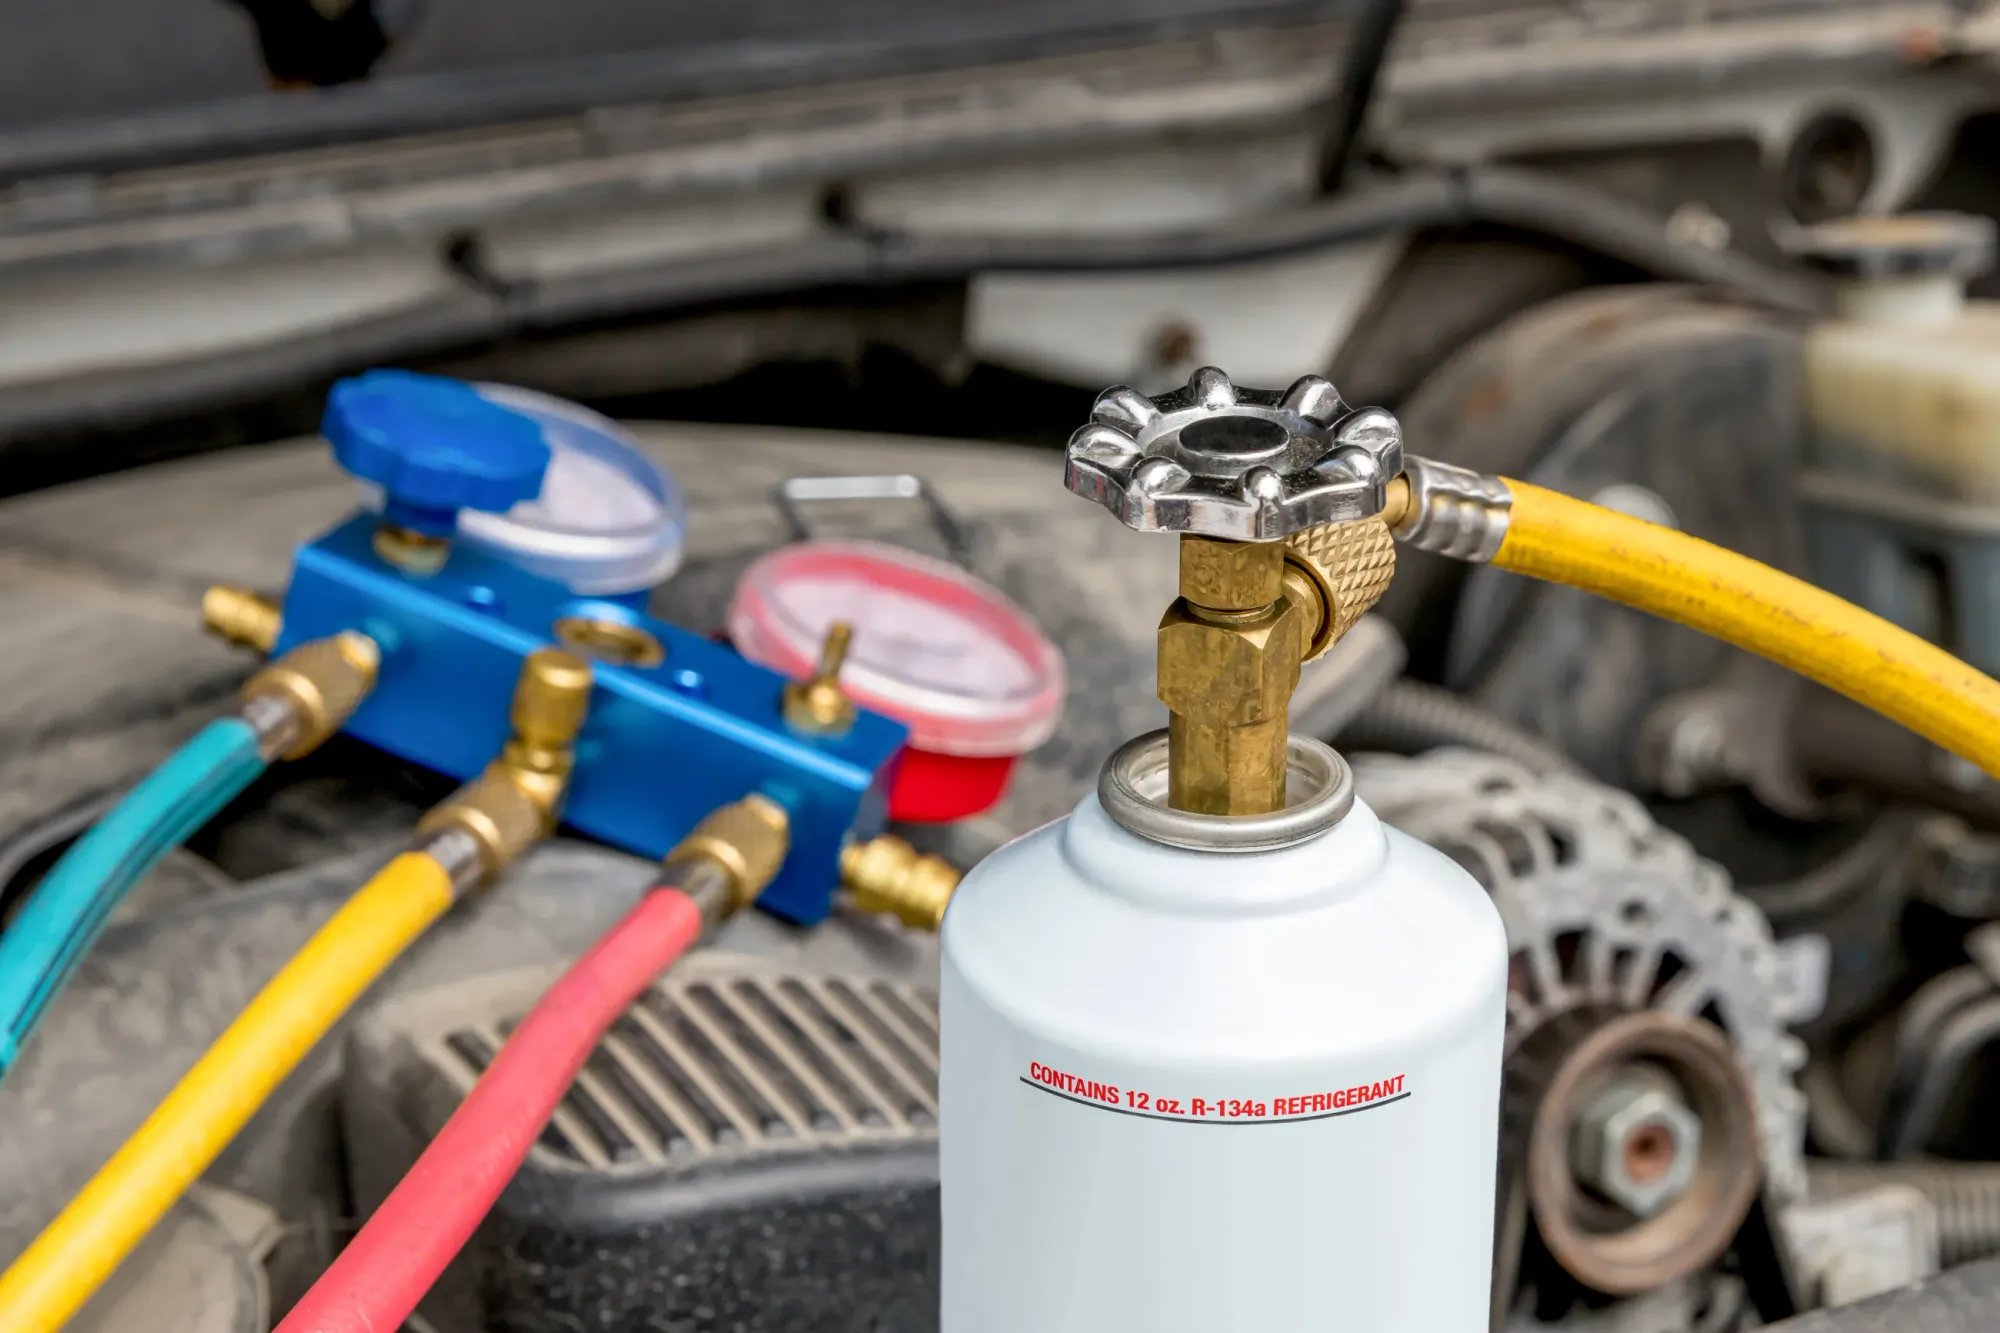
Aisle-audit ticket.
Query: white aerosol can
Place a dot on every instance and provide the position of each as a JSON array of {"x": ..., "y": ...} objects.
[{"x": 1212, "y": 1074}]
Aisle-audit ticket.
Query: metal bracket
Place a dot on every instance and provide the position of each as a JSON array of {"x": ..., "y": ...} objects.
[{"x": 794, "y": 493}]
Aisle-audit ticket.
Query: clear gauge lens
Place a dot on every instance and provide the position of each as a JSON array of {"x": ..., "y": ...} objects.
[{"x": 608, "y": 521}]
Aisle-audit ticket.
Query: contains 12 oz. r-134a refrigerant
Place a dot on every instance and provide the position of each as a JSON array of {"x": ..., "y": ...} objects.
[{"x": 1211, "y": 1074}]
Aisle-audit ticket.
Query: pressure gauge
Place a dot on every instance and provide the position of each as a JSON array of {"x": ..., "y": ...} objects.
[
  {"x": 967, "y": 670},
  {"x": 552, "y": 488},
  {"x": 608, "y": 522}
]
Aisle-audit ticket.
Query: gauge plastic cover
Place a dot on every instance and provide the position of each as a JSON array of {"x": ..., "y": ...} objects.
[{"x": 965, "y": 668}]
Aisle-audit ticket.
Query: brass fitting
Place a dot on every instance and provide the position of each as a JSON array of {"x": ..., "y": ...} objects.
[
  {"x": 514, "y": 804},
  {"x": 1396, "y": 497},
  {"x": 747, "y": 839},
  {"x": 497, "y": 813},
  {"x": 550, "y": 701},
  {"x": 1230, "y": 649},
  {"x": 1229, "y": 655},
  {"x": 322, "y": 683},
  {"x": 886, "y": 874},
  {"x": 1342, "y": 570},
  {"x": 242, "y": 617},
  {"x": 415, "y": 553},
  {"x": 817, "y": 705}
]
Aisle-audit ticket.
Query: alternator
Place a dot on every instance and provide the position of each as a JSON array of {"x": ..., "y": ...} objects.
[{"x": 1649, "y": 1070}]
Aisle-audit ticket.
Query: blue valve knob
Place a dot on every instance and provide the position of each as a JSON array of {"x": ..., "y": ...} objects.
[{"x": 435, "y": 446}]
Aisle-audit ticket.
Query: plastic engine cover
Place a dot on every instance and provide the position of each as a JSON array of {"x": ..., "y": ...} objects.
[{"x": 751, "y": 1147}]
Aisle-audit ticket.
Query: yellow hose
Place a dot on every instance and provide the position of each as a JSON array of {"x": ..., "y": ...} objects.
[
  {"x": 80, "y": 1249},
  {"x": 1691, "y": 582}
]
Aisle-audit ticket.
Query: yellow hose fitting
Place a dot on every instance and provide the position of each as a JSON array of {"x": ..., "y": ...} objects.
[
  {"x": 514, "y": 804},
  {"x": 321, "y": 683},
  {"x": 241, "y": 617},
  {"x": 888, "y": 875},
  {"x": 549, "y": 707},
  {"x": 748, "y": 839}
]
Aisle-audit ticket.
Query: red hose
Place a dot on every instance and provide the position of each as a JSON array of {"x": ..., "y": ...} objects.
[{"x": 386, "y": 1269}]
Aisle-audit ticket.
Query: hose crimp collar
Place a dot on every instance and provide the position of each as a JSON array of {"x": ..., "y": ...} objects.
[{"x": 1454, "y": 511}]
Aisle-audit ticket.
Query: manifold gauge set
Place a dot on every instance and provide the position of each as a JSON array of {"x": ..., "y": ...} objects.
[{"x": 1255, "y": 1038}]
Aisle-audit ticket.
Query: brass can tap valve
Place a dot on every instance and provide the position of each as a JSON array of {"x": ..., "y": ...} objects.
[{"x": 1277, "y": 498}]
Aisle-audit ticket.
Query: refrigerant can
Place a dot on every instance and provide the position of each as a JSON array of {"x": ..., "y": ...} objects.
[{"x": 1209, "y": 1074}]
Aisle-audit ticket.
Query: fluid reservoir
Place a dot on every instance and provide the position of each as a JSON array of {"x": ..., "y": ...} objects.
[
  {"x": 1901, "y": 400},
  {"x": 1220, "y": 1051}
]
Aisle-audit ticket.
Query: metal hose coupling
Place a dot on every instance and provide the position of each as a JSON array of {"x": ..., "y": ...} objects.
[
  {"x": 1448, "y": 511},
  {"x": 730, "y": 857},
  {"x": 888, "y": 876},
  {"x": 298, "y": 701},
  {"x": 487, "y": 824}
]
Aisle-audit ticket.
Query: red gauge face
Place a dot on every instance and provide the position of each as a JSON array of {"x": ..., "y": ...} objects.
[{"x": 966, "y": 669}]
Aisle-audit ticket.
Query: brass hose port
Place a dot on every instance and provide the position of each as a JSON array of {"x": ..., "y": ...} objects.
[
  {"x": 612, "y": 642},
  {"x": 887, "y": 876},
  {"x": 1642, "y": 1154},
  {"x": 241, "y": 617}
]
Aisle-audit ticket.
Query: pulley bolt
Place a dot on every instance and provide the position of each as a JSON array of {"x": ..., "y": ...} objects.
[{"x": 1636, "y": 1144}]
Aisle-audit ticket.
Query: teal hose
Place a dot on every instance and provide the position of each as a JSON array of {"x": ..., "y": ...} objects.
[{"x": 62, "y": 918}]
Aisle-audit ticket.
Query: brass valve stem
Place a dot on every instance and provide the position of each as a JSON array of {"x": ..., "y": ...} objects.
[
  {"x": 1249, "y": 614},
  {"x": 1229, "y": 657},
  {"x": 817, "y": 705},
  {"x": 514, "y": 804}
]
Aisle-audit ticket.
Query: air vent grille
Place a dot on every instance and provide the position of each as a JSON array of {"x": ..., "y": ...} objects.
[{"x": 709, "y": 1064}]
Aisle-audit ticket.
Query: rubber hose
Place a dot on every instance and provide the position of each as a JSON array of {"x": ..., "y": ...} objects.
[
  {"x": 1410, "y": 717},
  {"x": 427, "y": 1219},
  {"x": 1966, "y": 1195},
  {"x": 63, "y": 917},
  {"x": 1691, "y": 582},
  {"x": 87, "y": 1241}
]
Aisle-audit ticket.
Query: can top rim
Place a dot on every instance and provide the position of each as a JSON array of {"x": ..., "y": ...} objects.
[{"x": 1319, "y": 791}]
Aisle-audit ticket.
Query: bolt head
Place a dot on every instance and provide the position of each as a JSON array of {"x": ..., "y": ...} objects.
[{"x": 1637, "y": 1145}]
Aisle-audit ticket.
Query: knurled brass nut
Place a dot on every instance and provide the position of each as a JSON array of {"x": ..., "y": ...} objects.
[
  {"x": 747, "y": 838},
  {"x": 497, "y": 812},
  {"x": 1350, "y": 566},
  {"x": 322, "y": 682}
]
